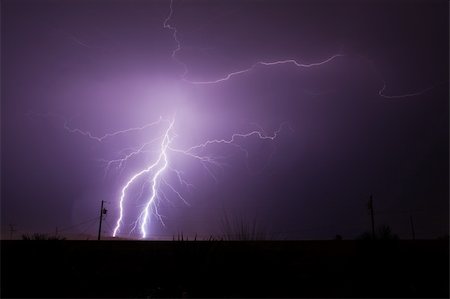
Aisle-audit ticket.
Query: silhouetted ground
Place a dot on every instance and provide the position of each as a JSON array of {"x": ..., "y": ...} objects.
[{"x": 224, "y": 269}]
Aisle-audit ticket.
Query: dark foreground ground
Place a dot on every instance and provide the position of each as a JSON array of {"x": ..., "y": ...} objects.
[{"x": 224, "y": 269}]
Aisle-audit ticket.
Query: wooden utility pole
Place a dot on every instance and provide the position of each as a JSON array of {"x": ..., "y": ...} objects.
[
  {"x": 371, "y": 216},
  {"x": 102, "y": 211},
  {"x": 412, "y": 227},
  {"x": 11, "y": 231}
]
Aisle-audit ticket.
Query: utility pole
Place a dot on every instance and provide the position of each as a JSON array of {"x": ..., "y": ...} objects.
[
  {"x": 371, "y": 216},
  {"x": 102, "y": 211},
  {"x": 412, "y": 227},
  {"x": 11, "y": 231}
]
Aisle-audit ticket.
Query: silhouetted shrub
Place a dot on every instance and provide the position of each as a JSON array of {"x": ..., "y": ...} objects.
[
  {"x": 383, "y": 233},
  {"x": 241, "y": 230},
  {"x": 41, "y": 237}
]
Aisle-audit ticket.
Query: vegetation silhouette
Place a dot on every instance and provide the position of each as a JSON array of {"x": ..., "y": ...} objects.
[
  {"x": 383, "y": 233},
  {"x": 41, "y": 237},
  {"x": 240, "y": 229}
]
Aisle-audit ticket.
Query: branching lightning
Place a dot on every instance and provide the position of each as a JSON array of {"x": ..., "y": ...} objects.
[
  {"x": 229, "y": 76},
  {"x": 406, "y": 95},
  {"x": 154, "y": 176},
  {"x": 166, "y": 25},
  {"x": 158, "y": 167},
  {"x": 108, "y": 135},
  {"x": 197, "y": 152},
  {"x": 272, "y": 63}
]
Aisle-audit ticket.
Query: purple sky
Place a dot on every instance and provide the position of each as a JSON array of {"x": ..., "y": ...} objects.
[{"x": 107, "y": 66}]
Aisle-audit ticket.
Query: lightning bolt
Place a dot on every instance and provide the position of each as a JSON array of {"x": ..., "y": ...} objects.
[
  {"x": 229, "y": 76},
  {"x": 157, "y": 167},
  {"x": 381, "y": 91},
  {"x": 406, "y": 95},
  {"x": 88, "y": 134},
  {"x": 167, "y": 25},
  {"x": 272, "y": 63},
  {"x": 196, "y": 151},
  {"x": 108, "y": 135},
  {"x": 120, "y": 162},
  {"x": 155, "y": 174},
  {"x": 231, "y": 141}
]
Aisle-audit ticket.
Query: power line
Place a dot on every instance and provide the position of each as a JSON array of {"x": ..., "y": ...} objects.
[
  {"x": 79, "y": 224},
  {"x": 107, "y": 224},
  {"x": 88, "y": 227}
]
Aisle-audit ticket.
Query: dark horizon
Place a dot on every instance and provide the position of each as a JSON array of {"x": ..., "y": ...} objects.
[{"x": 355, "y": 96}]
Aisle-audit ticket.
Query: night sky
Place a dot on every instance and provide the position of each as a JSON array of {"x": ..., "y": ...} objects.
[{"x": 106, "y": 66}]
